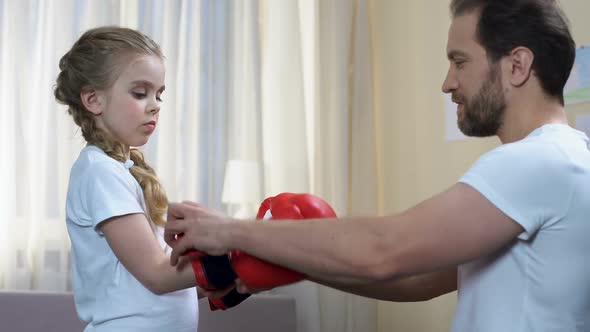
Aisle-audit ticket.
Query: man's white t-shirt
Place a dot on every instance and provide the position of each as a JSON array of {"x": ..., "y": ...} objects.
[
  {"x": 107, "y": 296},
  {"x": 541, "y": 281}
]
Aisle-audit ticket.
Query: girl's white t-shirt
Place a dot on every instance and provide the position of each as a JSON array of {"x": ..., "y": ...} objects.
[{"x": 107, "y": 296}]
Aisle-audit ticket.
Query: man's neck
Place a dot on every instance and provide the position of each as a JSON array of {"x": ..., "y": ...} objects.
[{"x": 526, "y": 115}]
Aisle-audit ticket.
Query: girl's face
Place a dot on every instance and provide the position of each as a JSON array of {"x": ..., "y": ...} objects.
[{"x": 131, "y": 106}]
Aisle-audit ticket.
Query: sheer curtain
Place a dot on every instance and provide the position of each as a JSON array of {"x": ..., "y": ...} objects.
[
  {"x": 284, "y": 83},
  {"x": 317, "y": 111}
]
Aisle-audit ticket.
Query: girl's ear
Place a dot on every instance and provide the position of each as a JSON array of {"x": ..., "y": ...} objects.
[{"x": 93, "y": 100}]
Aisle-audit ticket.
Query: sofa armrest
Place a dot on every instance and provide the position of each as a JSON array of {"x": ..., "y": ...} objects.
[
  {"x": 260, "y": 313},
  {"x": 55, "y": 312},
  {"x": 38, "y": 311}
]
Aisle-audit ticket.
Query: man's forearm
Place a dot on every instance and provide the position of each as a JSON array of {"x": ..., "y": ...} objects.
[
  {"x": 436, "y": 234},
  {"x": 346, "y": 251},
  {"x": 418, "y": 288}
]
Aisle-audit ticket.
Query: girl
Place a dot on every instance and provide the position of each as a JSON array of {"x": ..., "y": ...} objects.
[{"x": 112, "y": 81}]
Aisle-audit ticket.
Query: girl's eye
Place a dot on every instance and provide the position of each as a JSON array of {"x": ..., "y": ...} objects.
[{"x": 139, "y": 95}]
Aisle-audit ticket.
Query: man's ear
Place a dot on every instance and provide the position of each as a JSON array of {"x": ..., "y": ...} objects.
[
  {"x": 521, "y": 59},
  {"x": 93, "y": 100}
]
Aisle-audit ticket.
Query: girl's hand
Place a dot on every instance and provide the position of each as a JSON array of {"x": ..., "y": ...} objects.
[
  {"x": 241, "y": 288},
  {"x": 216, "y": 294}
]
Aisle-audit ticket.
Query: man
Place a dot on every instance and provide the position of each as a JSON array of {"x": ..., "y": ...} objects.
[{"x": 511, "y": 235}]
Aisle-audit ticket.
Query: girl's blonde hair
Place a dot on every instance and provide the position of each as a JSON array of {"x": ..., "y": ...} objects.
[{"x": 95, "y": 61}]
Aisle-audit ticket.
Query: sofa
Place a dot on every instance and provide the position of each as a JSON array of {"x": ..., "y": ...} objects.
[{"x": 55, "y": 312}]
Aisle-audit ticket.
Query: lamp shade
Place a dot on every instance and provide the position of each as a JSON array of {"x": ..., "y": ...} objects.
[{"x": 241, "y": 184}]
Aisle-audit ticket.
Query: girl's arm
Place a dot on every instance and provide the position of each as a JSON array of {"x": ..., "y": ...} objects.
[{"x": 133, "y": 242}]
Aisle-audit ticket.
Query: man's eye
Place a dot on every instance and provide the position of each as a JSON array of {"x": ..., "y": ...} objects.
[{"x": 459, "y": 64}]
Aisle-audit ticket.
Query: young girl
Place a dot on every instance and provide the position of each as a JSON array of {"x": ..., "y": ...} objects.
[{"x": 112, "y": 81}]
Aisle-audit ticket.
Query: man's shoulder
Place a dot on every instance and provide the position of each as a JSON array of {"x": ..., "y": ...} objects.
[
  {"x": 534, "y": 159},
  {"x": 524, "y": 151}
]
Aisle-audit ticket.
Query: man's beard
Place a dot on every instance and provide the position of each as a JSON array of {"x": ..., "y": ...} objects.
[{"x": 483, "y": 115}]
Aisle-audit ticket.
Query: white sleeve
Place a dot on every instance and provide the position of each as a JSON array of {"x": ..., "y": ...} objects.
[
  {"x": 528, "y": 181},
  {"x": 109, "y": 192}
]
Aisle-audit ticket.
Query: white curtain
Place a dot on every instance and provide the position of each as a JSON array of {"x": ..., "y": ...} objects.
[{"x": 284, "y": 83}]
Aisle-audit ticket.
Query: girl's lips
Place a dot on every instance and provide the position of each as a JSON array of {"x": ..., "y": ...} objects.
[{"x": 151, "y": 126}]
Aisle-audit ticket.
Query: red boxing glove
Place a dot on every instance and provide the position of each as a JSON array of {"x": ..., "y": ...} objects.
[
  {"x": 218, "y": 272},
  {"x": 259, "y": 274}
]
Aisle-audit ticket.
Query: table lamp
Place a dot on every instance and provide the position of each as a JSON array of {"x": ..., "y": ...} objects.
[{"x": 241, "y": 188}]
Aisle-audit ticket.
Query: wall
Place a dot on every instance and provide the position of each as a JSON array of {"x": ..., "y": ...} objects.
[
  {"x": 409, "y": 40},
  {"x": 577, "y": 11}
]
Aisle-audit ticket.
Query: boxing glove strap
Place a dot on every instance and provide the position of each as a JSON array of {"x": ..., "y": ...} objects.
[
  {"x": 231, "y": 299},
  {"x": 217, "y": 270}
]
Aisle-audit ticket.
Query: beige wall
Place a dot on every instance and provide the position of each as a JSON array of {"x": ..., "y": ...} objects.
[
  {"x": 409, "y": 40},
  {"x": 578, "y": 12}
]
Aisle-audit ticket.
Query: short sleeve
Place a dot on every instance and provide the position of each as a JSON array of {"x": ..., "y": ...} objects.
[
  {"x": 529, "y": 182},
  {"x": 110, "y": 191}
]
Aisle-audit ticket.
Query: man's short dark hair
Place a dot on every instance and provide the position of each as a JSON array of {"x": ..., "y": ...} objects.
[{"x": 538, "y": 25}]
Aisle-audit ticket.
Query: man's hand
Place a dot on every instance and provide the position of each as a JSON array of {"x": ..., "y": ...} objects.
[{"x": 191, "y": 226}]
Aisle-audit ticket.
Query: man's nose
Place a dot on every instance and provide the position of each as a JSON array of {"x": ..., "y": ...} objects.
[{"x": 450, "y": 83}]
